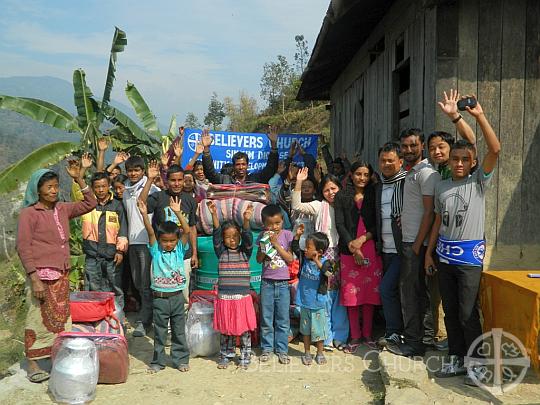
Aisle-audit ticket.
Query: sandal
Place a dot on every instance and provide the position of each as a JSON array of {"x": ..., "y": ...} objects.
[
  {"x": 244, "y": 364},
  {"x": 338, "y": 345},
  {"x": 284, "y": 358},
  {"x": 320, "y": 359},
  {"x": 183, "y": 368},
  {"x": 351, "y": 348},
  {"x": 371, "y": 344},
  {"x": 38, "y": 376},
  {"x": 306, "y": 359},
  {"x": 154, "y": 368},
  {"x": 223, "y": 363},
  {"x": 265, "y": 356}
]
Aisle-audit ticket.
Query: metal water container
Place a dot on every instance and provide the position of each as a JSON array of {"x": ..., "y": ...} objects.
[{"x": 75, "y": 372}]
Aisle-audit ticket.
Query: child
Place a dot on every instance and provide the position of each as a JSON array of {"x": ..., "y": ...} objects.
[
  {"x": 139, "y": 256},
  {"x": 234, "y": 313},
  {"x": 275, "y": 251},
  {"x": 167, "y": 282},
  {"x": 104, "y": 232},
  {"x": 458, "y": 235},
  {"x": 312, "y": 292}
]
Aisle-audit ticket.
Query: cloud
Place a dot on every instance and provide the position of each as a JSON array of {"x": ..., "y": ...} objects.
[{"x": 178, "y": 53}]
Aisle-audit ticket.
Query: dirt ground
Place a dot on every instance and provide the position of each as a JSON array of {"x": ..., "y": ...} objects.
[{"x": 345, "y": 380}]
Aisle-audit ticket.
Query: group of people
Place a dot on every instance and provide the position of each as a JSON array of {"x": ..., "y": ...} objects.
[{"x": 354, "y": 239}]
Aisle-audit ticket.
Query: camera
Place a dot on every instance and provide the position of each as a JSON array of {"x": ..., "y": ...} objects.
[{"x": 466, "y": 102}]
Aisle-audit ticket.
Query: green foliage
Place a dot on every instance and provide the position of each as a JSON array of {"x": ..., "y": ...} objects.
[
  {"x": 12, "y": 312},
  {"x": 118, "y": 44},
  {"x": 192, "y": 121},
  {"x": 243, "y": 115},
  {"x": 40, "y": 111},
  {"x": 301, "y": 56},
  {"x": 147, "y": 118},
  {"x": 18, "y": 173},
  {"x": 215, "y": 114},
  {"x": 275, "y": 79},
  {"x": 87, "y": 107}
]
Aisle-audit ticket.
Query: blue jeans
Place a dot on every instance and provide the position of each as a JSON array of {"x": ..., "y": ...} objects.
[
  {"x": 389, "y": 289},
  {"x": 275, "y": 301},
  {"x": 338, "y": 321}
]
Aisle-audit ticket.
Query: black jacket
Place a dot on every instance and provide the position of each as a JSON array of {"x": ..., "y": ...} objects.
[
  {"x": 262, "y": 176},
  {"x": 327, "y": 267},
  {"x": 347, "y": 215},
  {"x": 396, "y": 228}
]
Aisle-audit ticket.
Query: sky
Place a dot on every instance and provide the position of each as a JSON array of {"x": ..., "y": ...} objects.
[{"x": 178, "y": 52}]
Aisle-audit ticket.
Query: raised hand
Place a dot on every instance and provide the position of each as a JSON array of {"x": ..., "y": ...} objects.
[
  {"x": 317, "y": 173},
  {"x": 302, "y": 174},
  {"x": 86, "y": 160},
  {"x": 181, "y": 132},
  {"x": 300, "y": 230},
  {"x": 199, "y": 148},
  {"x": 206, "y": 138},
  {"x": 178, "y": 148},
  {"x": 175, "y": 203},
  {"x": 293, "y": 149},
  {"x": 449, "y": 103},
  {"x": 248, "y": 213},
  {"x": 102, "y": 144},
  {"x": 211, "y": 207},
  {"x": 293, "y": 172},
  {"x": 121, "y": 157},
  {"x": 272, "y": 135},
  {"x": 142, "y": 207},
  {"x": 153, "y": 169},
  {"x": 74, "y": 168},
  {"x": 477, "y": 111},
  {"x": 165, "y": 159}
]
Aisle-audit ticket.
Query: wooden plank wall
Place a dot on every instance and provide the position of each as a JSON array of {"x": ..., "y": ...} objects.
[{"x": 487, "y": 47}]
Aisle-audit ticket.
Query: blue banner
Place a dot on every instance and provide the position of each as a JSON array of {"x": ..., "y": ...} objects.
[{"x": 257, "y": 146}]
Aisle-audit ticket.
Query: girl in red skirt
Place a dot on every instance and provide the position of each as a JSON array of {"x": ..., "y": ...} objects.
[{"x": 234, "y": 314}]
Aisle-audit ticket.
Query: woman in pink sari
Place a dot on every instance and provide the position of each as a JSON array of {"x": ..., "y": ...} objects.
[{"x": 361, "y": 267}]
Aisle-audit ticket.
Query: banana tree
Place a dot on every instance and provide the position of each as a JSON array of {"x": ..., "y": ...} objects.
[{"x": 86, "y": 123}]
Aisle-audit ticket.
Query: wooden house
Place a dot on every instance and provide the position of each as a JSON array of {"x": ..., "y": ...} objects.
[{"x": 384, "y": 64}]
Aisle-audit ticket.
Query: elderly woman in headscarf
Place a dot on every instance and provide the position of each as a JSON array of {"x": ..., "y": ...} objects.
[{"x": 43, "y": 246}]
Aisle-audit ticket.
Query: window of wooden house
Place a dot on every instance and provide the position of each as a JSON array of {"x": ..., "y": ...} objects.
[{"x": 401, "y": 84}]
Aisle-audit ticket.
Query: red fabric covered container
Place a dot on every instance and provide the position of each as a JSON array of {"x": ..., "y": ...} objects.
[
  {"x": 112, "y": 353},
  {"x": 91, "y": 306}
]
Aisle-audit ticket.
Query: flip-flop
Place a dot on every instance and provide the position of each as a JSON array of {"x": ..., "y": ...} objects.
[
  {"x": 351, "y": 348},
  {"x": 320, "y": 359},
  {"x": 38, "y": 376},
  {"x": 283, "y": 358},
  {"x": 223, "y": 363},
  {"x": 306, "y": 359},
  {"x": 154, "y": 368},
  {"x": 183, "y": 368},
  {"x": 265, "y": 356}
]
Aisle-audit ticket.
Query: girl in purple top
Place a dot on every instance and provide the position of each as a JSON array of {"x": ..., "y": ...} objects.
[{"x": 275, "y": 254}]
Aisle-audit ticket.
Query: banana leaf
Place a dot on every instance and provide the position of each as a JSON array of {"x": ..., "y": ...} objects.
[
  {"x": 121, "y": 120},
  {"x": 147, "y": 118},
  {"x": 172, "y": 128},
  {"x": 87, "y": 107},
  {"x": 118, "y": 44},
  {"x": 46, "y": 155},
  {"x": 40, "y": 111}
]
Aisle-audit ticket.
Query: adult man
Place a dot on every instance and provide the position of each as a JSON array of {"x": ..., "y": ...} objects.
[
  {"x": 389, "y": 202},
  {"x": 416, "y": 220},
  {"x": 240, "y": 162}
]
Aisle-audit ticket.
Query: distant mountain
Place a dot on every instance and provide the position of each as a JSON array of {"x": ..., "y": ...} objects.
[{"x": 20, "y": 135}]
